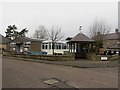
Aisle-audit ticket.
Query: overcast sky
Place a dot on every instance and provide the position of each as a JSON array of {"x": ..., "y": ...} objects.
[{"x": 67, "y": 15}]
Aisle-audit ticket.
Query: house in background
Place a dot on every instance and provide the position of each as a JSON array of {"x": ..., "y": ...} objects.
[
  {"x": 4, "y": 44},
  {"x": 111, "y": 40},
  {"x": 23, "y": 44},
  {"x": 60, "y": 47}
]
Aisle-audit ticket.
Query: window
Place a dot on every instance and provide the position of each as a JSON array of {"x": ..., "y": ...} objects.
[
  {"x": 56, "y": 46},
  {"x": 52, "y": 46},
  {"x": 49, "y": 45},
  {"x": 12, "y": 44},
  {"x": 64, "y": 46},
  {"x": 46, "y": 46},
  {"x": 43, "y": 46},
  {"x": 27, "y": 44},
  {"x": 13, "y": 49},
  {"x": 67, "y": 46},
  {"x": 59, "y": 46},
  {"x": 25, "y": 49}
]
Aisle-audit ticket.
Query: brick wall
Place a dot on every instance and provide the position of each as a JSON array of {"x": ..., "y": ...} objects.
[
  {"x": 109, "y": 43},
  {"x": 47, "y": 57},
  {"x": 35, "y": 46}
]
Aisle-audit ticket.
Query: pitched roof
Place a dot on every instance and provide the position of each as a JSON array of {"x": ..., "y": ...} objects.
[
  {"x": 24, "y": 39},
  {"x": 4, "y": 40},
  {"x": 81, "y": 37},
  {"x": 111, "y": 36}
]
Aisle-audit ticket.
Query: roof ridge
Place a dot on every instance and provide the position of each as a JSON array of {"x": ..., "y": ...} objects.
[{"x": 81, "y": 37}]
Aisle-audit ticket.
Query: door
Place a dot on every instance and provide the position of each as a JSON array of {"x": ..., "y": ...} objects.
[{"x": 17, "y": 48}]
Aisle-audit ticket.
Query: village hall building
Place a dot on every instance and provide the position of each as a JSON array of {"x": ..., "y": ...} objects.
[
  {"x": 25, "y": 44},
  {"x": 22, "y": 44}
]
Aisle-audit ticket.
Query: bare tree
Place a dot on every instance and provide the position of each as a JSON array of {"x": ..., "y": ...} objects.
[
  {"x": 55, "y": 35},
  {"x": 41, "y": 33},
  {"x": 98, "y": 30}
]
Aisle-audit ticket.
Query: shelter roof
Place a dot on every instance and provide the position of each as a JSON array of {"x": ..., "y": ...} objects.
[{"x": 80, "y": 37}]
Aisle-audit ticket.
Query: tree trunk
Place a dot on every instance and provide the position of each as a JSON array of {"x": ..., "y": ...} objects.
[{"x": 53, "y": 45}]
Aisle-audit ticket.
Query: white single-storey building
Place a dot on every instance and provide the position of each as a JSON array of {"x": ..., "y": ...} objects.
[{"x": 60, "y": 47}]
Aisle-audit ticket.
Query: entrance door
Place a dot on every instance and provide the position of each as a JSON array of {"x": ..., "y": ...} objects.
[
  {"x": 80, "y": 52},
  {"x": 21, "y": 47},
  {"x": 17, "y": 48}
]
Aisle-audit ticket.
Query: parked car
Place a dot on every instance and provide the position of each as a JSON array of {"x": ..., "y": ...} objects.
[
  {"x": 111, "y": 52},
  {"x": 36, "y": 53}
]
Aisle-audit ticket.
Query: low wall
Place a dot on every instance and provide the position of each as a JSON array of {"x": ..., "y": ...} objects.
[
  {"x": 47, "y": 57},
  {"x": 93, "y": 56},
  {"x": 114, "y": 57},
  {"x": 68, "y": 57}
]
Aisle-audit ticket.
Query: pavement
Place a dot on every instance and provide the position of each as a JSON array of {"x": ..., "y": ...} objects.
[
  {"x": 81, "y": 63},
  {"x": 18, "y": 73}
]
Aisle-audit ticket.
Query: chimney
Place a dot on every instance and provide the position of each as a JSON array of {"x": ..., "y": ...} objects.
[
  {"x": 116, "y": 30},
  {"x": 98, "y": 33}
]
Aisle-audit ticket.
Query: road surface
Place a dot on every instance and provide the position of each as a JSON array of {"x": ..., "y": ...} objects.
[{"x": 24, "y": 74}]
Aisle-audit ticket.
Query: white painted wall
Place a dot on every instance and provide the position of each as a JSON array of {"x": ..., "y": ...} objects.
[{"x": 49, "y": 51}]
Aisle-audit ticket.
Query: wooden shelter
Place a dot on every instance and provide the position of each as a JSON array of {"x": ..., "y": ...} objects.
[{"x": 81, "y": 45}]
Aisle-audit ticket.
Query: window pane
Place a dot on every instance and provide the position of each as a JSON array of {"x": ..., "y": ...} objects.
[
  {"x": 42, "y": 46},
  {"x": 59, "y": 46},
  {"x": 46, "y": 46},
  {"x": 56, "y": 46},
  {"x": 63, "y": 46},
  {"x": 49, "y": 45}
]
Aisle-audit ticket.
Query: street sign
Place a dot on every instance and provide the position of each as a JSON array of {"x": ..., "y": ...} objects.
[{"x": 104, "y": 58}]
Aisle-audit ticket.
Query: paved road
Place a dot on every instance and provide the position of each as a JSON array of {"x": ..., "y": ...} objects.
[{"x": 23, "y": 74}]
